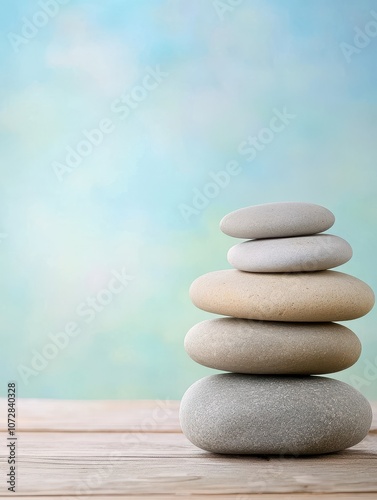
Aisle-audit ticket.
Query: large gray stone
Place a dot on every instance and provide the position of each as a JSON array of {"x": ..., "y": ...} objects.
[
  {"x": 275, "y": 220},
  {"x": 281, "y": 255},
  {"x": 272, "y": 348},
  {"x": 251, "y": 414},
  {"x": 312, "y": 296}
]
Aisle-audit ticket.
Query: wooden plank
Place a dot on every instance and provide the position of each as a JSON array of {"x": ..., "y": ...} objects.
[
  {"x": 245, "y": 496},
  {"x": 96, "y": 416},
  {"x": 133, "y": 448},
  {"x": 167, "y": 464},
  {"x": 34, "y": 446}
]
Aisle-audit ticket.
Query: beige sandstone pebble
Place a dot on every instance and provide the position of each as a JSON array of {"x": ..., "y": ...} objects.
[{"x": 312, "y": 296}]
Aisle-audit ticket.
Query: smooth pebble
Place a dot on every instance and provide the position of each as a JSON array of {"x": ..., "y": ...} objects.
[
  {"x": 311, "y": 296},
  {"x": 297, "y": 254},
  {"x": 276, "y": 220},
  {"x": 273, "y": 348},
  {"x": 250, "y": 414}
]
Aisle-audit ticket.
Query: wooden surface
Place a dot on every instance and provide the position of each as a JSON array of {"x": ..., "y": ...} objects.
[{"x": 120, "y": 449}]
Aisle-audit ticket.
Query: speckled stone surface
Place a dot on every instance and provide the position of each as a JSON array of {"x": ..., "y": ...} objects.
[
  {"x": 249, "y": 414},
  {"x": 312, "y": 296},
  {"x": 275, "y": 348},
  {"x": 275, "y": 220},
  {"x": 297, "y": 254}
]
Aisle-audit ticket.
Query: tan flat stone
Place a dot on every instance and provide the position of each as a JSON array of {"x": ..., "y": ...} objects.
[
  {"x": 306, "y": 297},
  {"x": 272, "y": 348}
]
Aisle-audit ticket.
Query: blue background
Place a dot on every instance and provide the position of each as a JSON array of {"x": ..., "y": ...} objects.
[{"x": 130, "y": 203}]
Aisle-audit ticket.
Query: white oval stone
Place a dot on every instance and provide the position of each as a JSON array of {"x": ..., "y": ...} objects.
[
  {"x": 317, "y": 296},
  {"x": 277, "y": 220},
  {"x": 250, "y": 414},
  {"x": 297, "y": 254},
  {"x": 272, "y": 348}
]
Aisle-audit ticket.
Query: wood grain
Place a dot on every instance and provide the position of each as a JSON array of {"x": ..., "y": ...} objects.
[
  {"x": 96, "y": 416},
  {"x": 243, "y": 496},
  {"x": 167, "y": 464},
  {"x": 135, "y": 449}
]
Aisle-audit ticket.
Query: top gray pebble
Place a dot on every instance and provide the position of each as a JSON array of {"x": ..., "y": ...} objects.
[{"x": 277, "y": 220}]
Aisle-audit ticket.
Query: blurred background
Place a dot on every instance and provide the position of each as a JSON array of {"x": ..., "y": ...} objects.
[{"x": 129, "y": 129}]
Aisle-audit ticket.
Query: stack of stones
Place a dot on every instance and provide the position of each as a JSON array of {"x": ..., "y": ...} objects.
[{"x": 280, "y": 302}]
